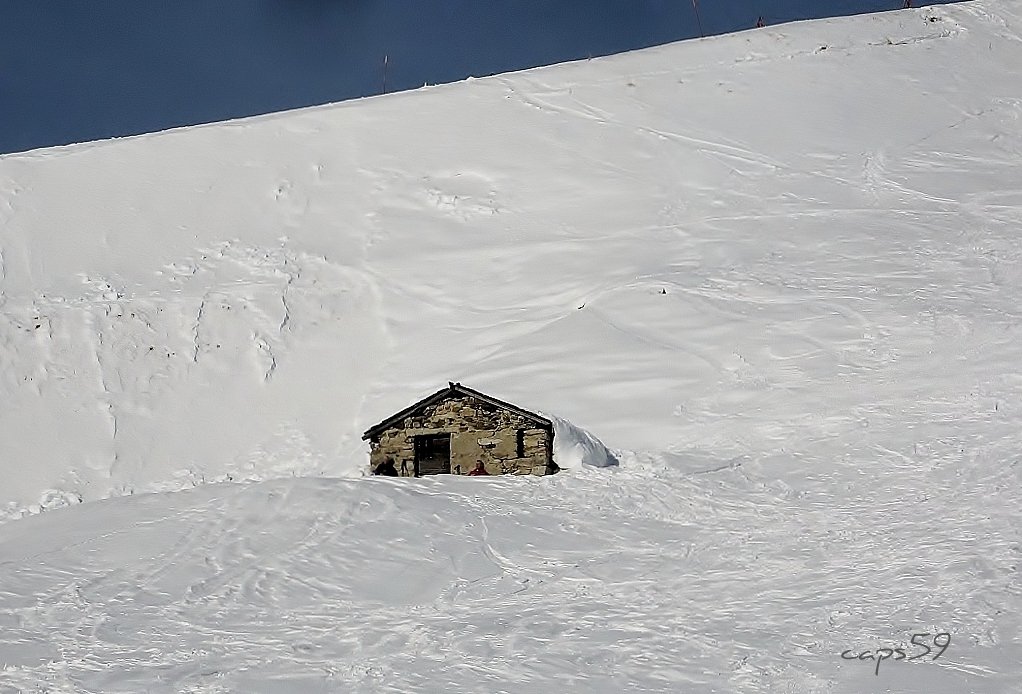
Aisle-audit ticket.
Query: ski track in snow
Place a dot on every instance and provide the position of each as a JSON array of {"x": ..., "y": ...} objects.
[
  {"x": 778, "y": 272},
  {"x": 664, "y": 575}
]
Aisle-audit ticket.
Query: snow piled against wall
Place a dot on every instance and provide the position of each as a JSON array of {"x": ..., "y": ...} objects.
[{"x": 575, "y": 447}]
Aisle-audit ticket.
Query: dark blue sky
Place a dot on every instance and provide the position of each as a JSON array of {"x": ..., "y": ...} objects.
[{"x": 74, "y": 70}]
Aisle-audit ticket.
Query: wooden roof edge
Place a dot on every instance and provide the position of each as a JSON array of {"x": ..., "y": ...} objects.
[
  {"x": 401, "y": 414},
  {"x": 453, "y": 387}
]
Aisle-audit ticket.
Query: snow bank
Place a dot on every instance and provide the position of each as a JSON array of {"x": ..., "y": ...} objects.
[
  {"x": 575, "y": 447},
  {"x": 242, "y": 300}
]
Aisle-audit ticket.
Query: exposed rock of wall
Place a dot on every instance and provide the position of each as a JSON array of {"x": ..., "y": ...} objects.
[{"x": 505, "y": 442}]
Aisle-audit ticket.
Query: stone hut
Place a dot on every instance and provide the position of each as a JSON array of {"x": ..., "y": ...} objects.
[{"x": 454, "y": 429}]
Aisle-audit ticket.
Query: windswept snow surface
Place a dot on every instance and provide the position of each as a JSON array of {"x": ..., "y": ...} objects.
[{"x": 776, "y": 272}]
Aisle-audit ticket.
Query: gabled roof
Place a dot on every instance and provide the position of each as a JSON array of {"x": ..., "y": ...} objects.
[{"x": 454, "y": 389}]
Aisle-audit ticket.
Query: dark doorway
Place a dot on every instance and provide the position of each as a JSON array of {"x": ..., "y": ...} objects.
[{"x": 433, "y": 455}]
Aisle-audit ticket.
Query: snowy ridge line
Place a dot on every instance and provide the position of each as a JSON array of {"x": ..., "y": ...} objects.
[{"x": 919, "y": 18}]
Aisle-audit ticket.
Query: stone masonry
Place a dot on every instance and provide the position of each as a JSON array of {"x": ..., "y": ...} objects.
[{"x": 505, "y": 441}]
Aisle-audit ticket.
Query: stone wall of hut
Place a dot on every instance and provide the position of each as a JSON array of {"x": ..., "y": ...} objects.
[{"x": 505, "y": 442}]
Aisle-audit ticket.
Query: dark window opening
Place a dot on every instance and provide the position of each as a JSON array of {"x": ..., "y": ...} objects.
[
  {"x": 520, "y": 443},
  {"x": 432, "y": 454}
]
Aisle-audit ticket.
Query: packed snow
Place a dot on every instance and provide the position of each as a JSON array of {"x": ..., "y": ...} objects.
[{"x": 767, "y": 285}]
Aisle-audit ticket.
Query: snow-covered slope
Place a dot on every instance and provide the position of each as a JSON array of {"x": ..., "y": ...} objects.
[{"x": 777, "y": 272}]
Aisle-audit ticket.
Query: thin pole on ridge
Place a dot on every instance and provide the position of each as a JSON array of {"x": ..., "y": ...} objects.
[
  {"x": 695, "y": 7},
  {"x": 385, "y": 61}
]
